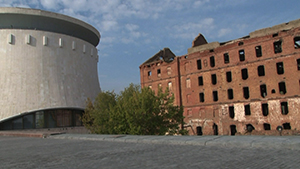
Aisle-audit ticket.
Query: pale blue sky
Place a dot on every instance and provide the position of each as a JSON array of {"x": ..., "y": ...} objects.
[{"x": 134, "y": 30}]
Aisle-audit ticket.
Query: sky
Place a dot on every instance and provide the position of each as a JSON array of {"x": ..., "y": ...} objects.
[{"x": 132, "y": 31}]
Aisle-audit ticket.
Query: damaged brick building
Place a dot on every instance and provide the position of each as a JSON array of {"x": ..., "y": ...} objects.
[{"x": 249, "y": 85}]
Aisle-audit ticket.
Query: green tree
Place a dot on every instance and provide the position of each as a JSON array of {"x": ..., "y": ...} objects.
[{"x": 134, "y": 111}]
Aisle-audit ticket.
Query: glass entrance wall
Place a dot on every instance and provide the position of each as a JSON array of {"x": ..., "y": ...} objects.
[{"x": 44, "y": 119}]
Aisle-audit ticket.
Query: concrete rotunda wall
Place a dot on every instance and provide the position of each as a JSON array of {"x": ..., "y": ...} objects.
[{"x": 45, "y": 70}]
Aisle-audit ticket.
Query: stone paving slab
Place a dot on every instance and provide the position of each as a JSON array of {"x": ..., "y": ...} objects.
[{"x": 273, "y": 142}]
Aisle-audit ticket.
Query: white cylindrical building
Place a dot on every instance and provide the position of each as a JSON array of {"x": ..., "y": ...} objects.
[{"x": 48, "y": 68}]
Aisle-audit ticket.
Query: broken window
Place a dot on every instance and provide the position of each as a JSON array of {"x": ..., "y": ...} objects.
[
  {"x": 241, "y": 43},
  {"x": 263, "y": 90},
  {"x": 284, "y": 108},
  {"x": 245, "y": 74},
  {"x": 273, "y": 91},
  {"x": 199, "y": 65},
  {"x": 242, "y": 55},
  {"x": 214, "y": 79},
  {"x": 215, "y": 128},
  {"x": 228, "y": 76},
  {"x": 230, "y": 94},
  {"x": 280, "y": 69},
  {"x": 212, "y": 61},
  {"x": 215, "y": 95},
  {"x": 250, "y": 128},
  {"x": 199, "y": 130},
  {"x": 170, "y": 86},
  {"x": 261, "y": 70},
  {"x": 246, "y": 92},
  {"x": 201, "y": 96},
  {"x": 158, "y": 72},
  {"x": 232, "y": 130},
  {"x": 149, "y": 73},
  {"x": 286, "y": 126},
  {"x": 231, "y": 112},
  {"x": 226, "y": 58},
  {"x": 298, "y": 64},
  {"x": 247, "y": 110},
  {"x": 277, "y": 47},
  {"x": 188, "y": 83},
  {"x": 274, "y": 35},
  {"x": 282, "y": 89},
  {"x": 297, "y": 42},
  {"x": 267, "y": 126},
  {"x": 258, "y": 51},
  {"x": 200, "y": 81},
  {"x": 159, "y": 85},
  {"x": 265, "y": 109}
]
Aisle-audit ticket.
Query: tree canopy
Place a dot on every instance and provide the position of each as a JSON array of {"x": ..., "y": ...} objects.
[{"x": 134, "y": 111}]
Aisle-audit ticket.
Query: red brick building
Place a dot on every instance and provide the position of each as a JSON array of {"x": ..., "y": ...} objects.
[{"x": 249, "y": 85}]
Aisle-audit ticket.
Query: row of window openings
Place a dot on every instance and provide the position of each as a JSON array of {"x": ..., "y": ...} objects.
[
  {"x": 258, "y": 51},
  {"x": 264, "y": 108},
  {"x": 260, "y": 72},
  {"x": 246, "y": 93}
]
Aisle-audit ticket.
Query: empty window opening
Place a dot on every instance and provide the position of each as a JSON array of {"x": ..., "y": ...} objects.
[
  {"x": 297, "y": 42},
  {"x": 228, "y": 76},
  {"x": 263, "y": 90},
  {"x": 214, "y": 79},
  {"x": 215, "y": 95},
  {"x": 246, "y": 92},
  {"x": 284, "y": 108},
  {"x": 158, "y": 72},
  {"x": 226, "y": 58},
  {"x": 282, "y": 88},
  {"x": 242, "y": 55},
  {"x": 275, "y": 34},
  {"x": 215, "y": 128},
  {"x": 199, "y": 65},
  {"x": 267, "y": 126},
  {"x": 286, "y": 126},
  {"x": 265, "y": 109},
  {"x": 247, "y": 110},
  {"x": 149, "y": 73},
  {"x": 258, "y": 51},
  {"x": 230, "y": 94},
  {"x": 241, "y": 43},
  {"x": 298, "y": 64},
  {"x": 232, "y": 130},
  {"x": 249, "y": 128},
  {"x": 231, "y": 112},
  {"x": 211, "y": 50},
  {"x": 212, "y": 61},
  {"x": 280, "y": 69},
  {"x": 277, "y": 47},
  {"x": 273, "y": 91},
  {"x": 245, "y": 74},
  {"x": 261, "y": 70},
  {"x": 200, "y": 81},
  {"x": 199, "y": 130},
  {"x": 201, "y": 96},
  {"x": 188, "y": 83},
  {"x": 170, "y": 86}
]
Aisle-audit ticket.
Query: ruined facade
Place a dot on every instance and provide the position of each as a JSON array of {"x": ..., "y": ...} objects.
[{"x": 249, "y": 85}]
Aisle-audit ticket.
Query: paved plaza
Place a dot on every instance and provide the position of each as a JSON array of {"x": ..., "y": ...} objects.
[{"x": 117, "y": 151}]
